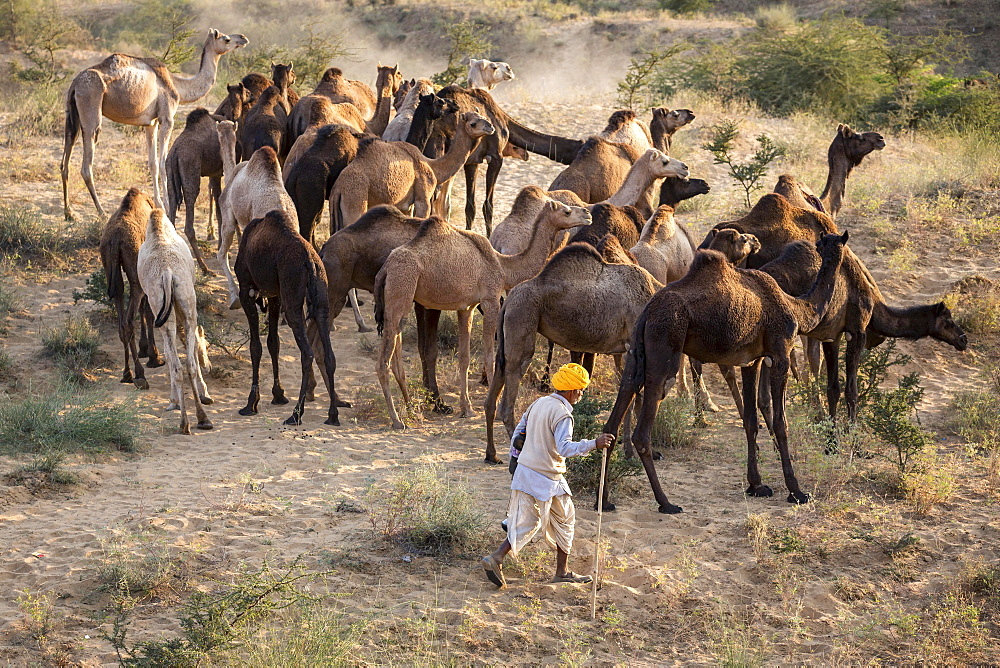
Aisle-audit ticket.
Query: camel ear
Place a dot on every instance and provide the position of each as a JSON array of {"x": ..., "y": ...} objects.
[
  {"x": 940, "y": 309},
  {"x": 291, "y": 66},
  {"x": 845, "y": 236},
  {"x": 845, "y": 130},
  {"x": 378, "y": 64},
  {"x": 214, "y": 33},
  {"x": 552, "y": 205},
  {"x": 395, "y": 68}
]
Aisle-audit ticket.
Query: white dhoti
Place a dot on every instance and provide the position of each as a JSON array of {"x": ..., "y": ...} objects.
[{"x": 526, "y": 515}]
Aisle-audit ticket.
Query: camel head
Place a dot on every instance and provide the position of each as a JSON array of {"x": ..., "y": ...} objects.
[
  {"x": 943, "y": 328},
  {"x": 440, "y": 106},
  {"x": 404, "y": 88},
  {"x": 201, "y": 349},
  {"x": 227, "y": 134},
  {"x": 487, "y": 73},
  {"x": 832, "y": 246},
  {"x": 564, "y": 217},
  {"x": 855, "y": 145},
  {"x": 672, "y": 120},
  {"x": 219, "y": 44},
  {"x": 389, "y": 79},
  {"x": 735, "y": 245},
  {"x": 476, "y": 125},
  {"x": 239, "y": 98},
  {"x": 283, "y": 76},
  {"x": 662, "y": 165}
]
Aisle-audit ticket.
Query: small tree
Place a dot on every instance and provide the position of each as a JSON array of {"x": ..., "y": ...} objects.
[
  {"x": 468, "y": 40},
  {"x": 636, "y": 88},
  {"x": 747, "y": 175}
]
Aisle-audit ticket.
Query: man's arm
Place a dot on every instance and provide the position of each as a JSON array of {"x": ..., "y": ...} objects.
[{"x": 566, "y": 447}]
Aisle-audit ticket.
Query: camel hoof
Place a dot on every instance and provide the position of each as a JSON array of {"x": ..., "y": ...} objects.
[
  {"x": 310, "y": 396},
  {"x": 493, "y": 460},
  {"x": 279, "y": 400},
  {"x": 206, "y": 400},
  {"x": 340, "y": 403},
  {"x": 332, "y": 421},
  {"x": 671, "y": 509},
  {"x": 173, "y": 407},
  {"x": 126, "y": 377},
  {"x": 797, "y": 498},
  {"x": 467, "y": 413},
  {"x": 760, "y": 491},
  {"x": 208, "y": 272},
  {"x": 234, "y": 304},
  {"x": 364, "y": 329},
  {"x": 294, "y": 420},
  {"x": 246, "y": 410},
  {"x": 608, "y": 507},
  {"x": 155, "y": 362},
  {"x": 442, "y": 408},
  {"x": 712, "y": 407},
  {"x": 141, "y": 383},
  {"x": 185, "y": 429},
  {"x": 206, "y": 425},
  {"x": 657, "y": 455}
]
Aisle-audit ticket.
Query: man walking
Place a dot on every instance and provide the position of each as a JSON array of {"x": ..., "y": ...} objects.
[{"x": 540, "y": 498}]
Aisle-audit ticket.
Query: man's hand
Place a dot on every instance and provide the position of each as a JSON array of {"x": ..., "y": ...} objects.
[{"x": 605, "y": 441}]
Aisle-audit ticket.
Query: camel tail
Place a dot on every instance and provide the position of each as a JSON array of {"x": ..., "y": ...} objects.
[
  {"x": 72, "y": 130},
  {"x": 175, "y": 193},
  {"x": 380, "y": 301},
  {"x": 113, "y": 272},
  {"x": 315, "y": 292},
  {"x": 167, "y": 285},
  {"x": 638, "y": 355}
]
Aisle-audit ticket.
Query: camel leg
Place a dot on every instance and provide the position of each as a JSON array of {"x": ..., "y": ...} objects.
[
  {"x": 295, "y": 321},
  {"x": 812, "y": 354},
  {"x": 661, "y": 374},
  {"x": 588, "y": 362},
  {"x": 471, "y": 174},
  {"x": 278, "y": 397},
  {"x": 90, "y": 127},
  {"x": 214, "y": 190},
  {"x": 163, "y": 129},
  {"x": 729, "y": 374},
  {"x": 174, "y": 369},
  {"x": 852, "y": 360},
  {"x": 464, "y": 340},
  {"x": 778, "y": 379},
  {"x": 547, "y": 372},
  {"x": 518, "y": 349},
  {"x": 191, "y": 192},
  {"x": 764, "y": 399},
  {"x": 147, "y": 340},
  {"x": 624, "y": 400},
  {"x": 227, "y": 229},
  {"x": 329, "y": 369},
  {"x": 72, "y": 131},
  {"x": 491, "y": 315},
  {"x": 751, "y": 427},
  {"x": 427, "y": 345},
  {"x": 126, "y": 329},
  {"x": 831, "y": 355},
  {"x": 153, "y": 162},
  {"x": 198, "y": 388},
  {"x": 352, "y": 296},
  {"x": 629, "y": 414},
  {"x": 702, "y": 397},
  {"x": 250, "y": 311},
  {"x": 497, "y": 385},
  {"x": 492, "y": 173},
  {"x": 387, "y": 350},
  {"x": 399, "y": 370}
]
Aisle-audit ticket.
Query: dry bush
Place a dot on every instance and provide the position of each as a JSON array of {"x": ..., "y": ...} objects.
[
  {"x": 136, "y": 565},
  {"x": 975, "y": 304},
  {"x": 74, "y": 346}
]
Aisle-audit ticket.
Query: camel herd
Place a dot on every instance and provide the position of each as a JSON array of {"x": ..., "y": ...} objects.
[{"x": 595, "y": 263}]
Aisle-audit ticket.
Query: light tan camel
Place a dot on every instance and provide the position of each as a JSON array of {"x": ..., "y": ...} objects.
[
  {"x": 665, "y": 247},
  {"x": 512, "y": 234},
  {"x": 488, "y": 74},
  {"x": 135, "y": 91},
  {"x": 447, "y": 269},
  {"x": 119, "y": 247},
  {"x": 397, "y": 173},
  {"x": 252, "y": 189},
  {"x": 399, "y": 126},
  {"x": 638, "y": 187},
  {"x": 335, "y": 87},
  {"x": 846, "y": 152},
  {"x": 167, "y": 273}
]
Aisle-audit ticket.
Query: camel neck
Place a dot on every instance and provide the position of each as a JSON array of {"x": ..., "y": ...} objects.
[
  {"x": 836, "y": 183},
  {"x": 462, "y": 144},
  {"x": 903, "y": 323},
  {"x": 638, "y": 185},
  {"x": 378, "y": 122},
  {"x": 662, "y": 139},
  {"x": 552, "y": 147},
  {"x": 228, "y": 148},
  {"x": 192, "y": 89},
  {"x": 522, "y": 266},
  {"x": 820, "y": 294}
]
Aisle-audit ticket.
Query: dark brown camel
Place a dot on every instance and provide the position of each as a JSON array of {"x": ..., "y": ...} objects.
[
  {"x": 266, "y": 124},
  {"x": 120, "y": 241},
  {"x": 721, "y": 314},
  {"x": 195, "y": 153},
  {"x": 430, "y": 108},
  {"x": 281, "y": 271},
  {"x": 312, "y": 176}
]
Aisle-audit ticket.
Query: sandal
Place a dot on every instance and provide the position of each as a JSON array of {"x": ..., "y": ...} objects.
[
  {"x": 573, "y": 578},
  {"x": 493, "y": 571}
]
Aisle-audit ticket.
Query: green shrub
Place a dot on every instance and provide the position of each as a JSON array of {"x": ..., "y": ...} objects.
[
  {"x": 672, "y": 427},
  {"x": 889, "y": 414},
  {"x": 44, "y": 469},
  {"x": 11, "y": 303},
  {"x": 586, "y": 412},
  {"x": 685, "y": 6},
  {"x": 68, "y": 419},
  {"x": 749, "y": 174},
  {"x": 584, "y": 473},
  {"x": 23, "y": 232},
  {"x": 95, "y": 289},
  {"x": 74, "y": 344},
  {"x": 135, "y": 565},
  {"x": 636, "y": 89},
  {"x": 428, "y": 511},
  {"x": 975, "y": 304}
]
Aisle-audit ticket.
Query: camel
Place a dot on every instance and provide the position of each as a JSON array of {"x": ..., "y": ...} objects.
[
  {"x": 721, "y": 314},
  {"x": 166, "y": 273},
  {"x": 312, "y": 176},
  {"x": 276, "y": 264},
  {"x": 120, "y": 241},
  {"x": 135, "y": 91},
  {"x": 443, "y": 268},
  {"x": 665, "y": 123},
  {"x": 399, "y": 127},
  {"x": 335, "y": 87},
  {"x": 846, "y": 152},
  {"x": 195, "y": 153},
  {"x": 266, "y": 124},
  {"x": 665, "y": 248},
  {"x": 580, "y": 301},
  {"x": 252, "y": 189},
  {"x": 325, "y": 112},
  {"x": 430, "y": 108},
  {"x": 236, "y": 104},
  {"x": 487, "y": 74},
  {"x": 397, "y": 173},
  {"x": 512, "y": 234}
]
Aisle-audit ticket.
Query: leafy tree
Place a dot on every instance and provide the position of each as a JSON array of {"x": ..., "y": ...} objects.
[
  {"x": 468, "y": 40},
  {"x": 747, "y": 175},
  {"x": 636, "y": 89}
]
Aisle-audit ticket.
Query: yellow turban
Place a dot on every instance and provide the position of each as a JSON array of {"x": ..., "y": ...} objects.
[{"x": 570, "y": 377}]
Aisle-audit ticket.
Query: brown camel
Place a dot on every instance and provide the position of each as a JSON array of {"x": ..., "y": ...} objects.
[
  {"x": 120, "y": 242},
  {"x": 447, "y": 269},
  {"x": 266, "y": 124},
  {"x": 430, "y": 109},
  {"x": 252, "y": 189},
  {"x": 721, "y": 314},
  {"x": 195, "y": 153},
  {"x": 275, "y": 265},
  {"x": 397, "y": 173},
  {"x": 135, "y": 91},
  {"x": 846, "y": 152},
  {"x": 579, "y": 301},
  {"x": 512, "y": 234},
  {"x": 337, "y": 88}
]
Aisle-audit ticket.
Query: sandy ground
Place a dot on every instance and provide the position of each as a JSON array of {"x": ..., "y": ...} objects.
[{"x": 675, "y": 590}]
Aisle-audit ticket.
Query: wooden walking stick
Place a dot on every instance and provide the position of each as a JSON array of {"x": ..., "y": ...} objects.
[{"x": 597, "y": 544}]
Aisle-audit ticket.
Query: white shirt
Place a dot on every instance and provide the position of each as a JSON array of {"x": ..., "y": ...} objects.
[{"x": 534, "y": 483}]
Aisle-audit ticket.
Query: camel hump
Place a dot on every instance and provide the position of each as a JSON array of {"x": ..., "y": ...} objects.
[
  {"x": 135, "y": 198},
  {"x": 588, "y": 146},
  {"x": 571, "y": 254},
  {"x": 619, "y": 120},
  {"x": 771, "y": 204},
  {"x": 196, "y": 116},
  {"x": 527, "y": 194},
  {"x": 332, "y": 73},
  {"x": 434, "y": 226},
  {"x": 375, "y": 217},
  {"x": 708, "y": 260}
]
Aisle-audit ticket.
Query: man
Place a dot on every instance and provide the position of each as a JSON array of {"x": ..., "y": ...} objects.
[{"x": 540, "y": 498}]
